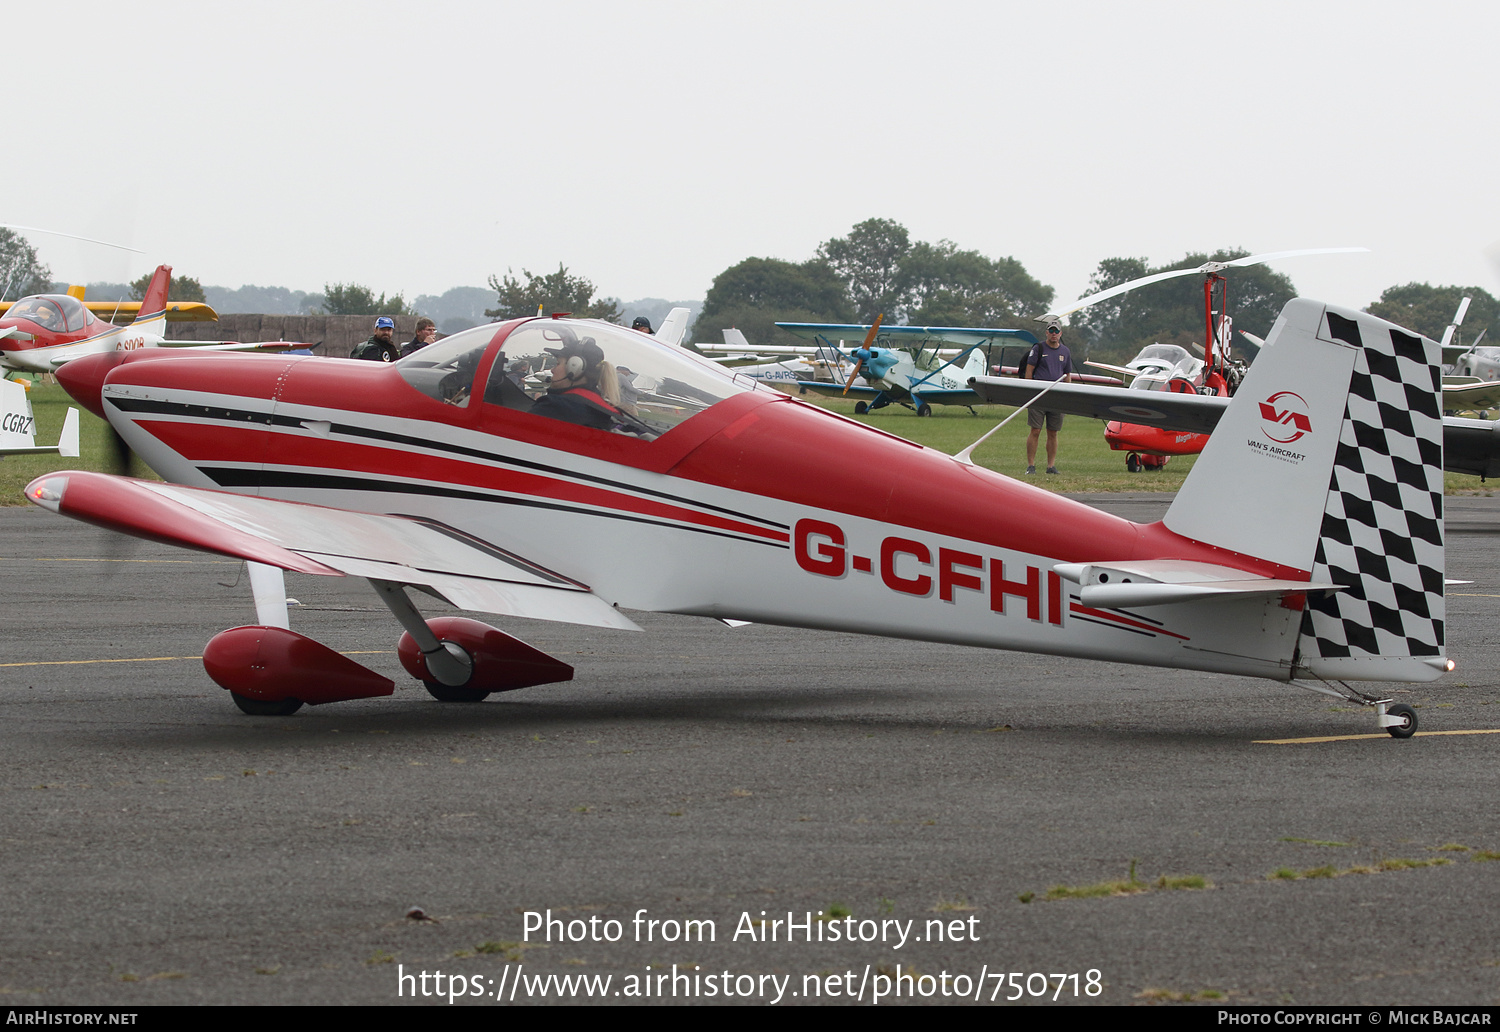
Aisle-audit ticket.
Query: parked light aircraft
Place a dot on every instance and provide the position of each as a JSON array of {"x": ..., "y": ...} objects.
[
  {"x": 41, "y": 332},
  {"x": 779, "y": 364},
  {"x": 737, "y": 502},
  {"x": 1160, "y": 367},
  {"x": 914, "y": 366}
]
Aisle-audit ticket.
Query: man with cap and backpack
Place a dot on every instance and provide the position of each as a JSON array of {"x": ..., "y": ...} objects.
[{"x": 380, "y": 347}]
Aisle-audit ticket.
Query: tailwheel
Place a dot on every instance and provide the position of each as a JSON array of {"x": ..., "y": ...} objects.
[
  {"x": 1133, "y": 462},
  {"x": 262, "y": 708},
  {"x": 1408, "y": 718},
  {"x": 448, "y": 693},
  {"x": 860, "y": 408}
]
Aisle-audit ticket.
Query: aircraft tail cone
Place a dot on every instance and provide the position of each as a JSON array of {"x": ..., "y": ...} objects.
[
  {"x": 502, "y": 663},
  {"x": 272, "y": 664}
]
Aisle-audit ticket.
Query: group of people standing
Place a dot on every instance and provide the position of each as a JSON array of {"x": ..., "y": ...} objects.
[{"x": 381, "y": 347}]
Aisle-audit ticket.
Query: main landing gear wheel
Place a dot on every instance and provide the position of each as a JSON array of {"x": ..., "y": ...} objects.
[
  {"x": 262, "y": 708},
  {"x": 860, "y": 408},
  {"x": 924, "y": 409},
  {"x": 1404, "y": 730},
  {"x": 1133, "y": 462},
  {"x": 448, "y": 693}
]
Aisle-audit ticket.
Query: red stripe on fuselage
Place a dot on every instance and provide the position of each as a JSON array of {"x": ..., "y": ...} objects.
[
  {"x": 1105, "y": 615},
  {"x": 208, "y": 443}
]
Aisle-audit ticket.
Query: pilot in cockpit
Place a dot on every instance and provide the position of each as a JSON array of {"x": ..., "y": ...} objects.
[{"x": 584, "y": 388}]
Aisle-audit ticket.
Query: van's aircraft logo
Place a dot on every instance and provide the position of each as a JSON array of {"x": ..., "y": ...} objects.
[{"x": 1288, "y": 413}]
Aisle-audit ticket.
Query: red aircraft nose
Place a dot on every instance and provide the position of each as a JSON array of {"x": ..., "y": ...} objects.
[{"x": 83, "y": 378}]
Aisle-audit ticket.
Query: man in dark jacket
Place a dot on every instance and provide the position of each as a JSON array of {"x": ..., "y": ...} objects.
[
  {"x": 425, "y": 335},
  {"x": 380, "y": 347}
]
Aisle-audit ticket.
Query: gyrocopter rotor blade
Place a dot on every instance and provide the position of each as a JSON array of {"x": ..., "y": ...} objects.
[
  {"x": 1458, "y": 320},
  {"x": 70, "y": 236},
  {"x": 1205, "y": 268}
]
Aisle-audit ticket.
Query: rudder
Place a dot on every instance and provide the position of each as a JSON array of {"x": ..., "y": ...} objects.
[
  {"x": 1382, "y": 531},
  {"x": 154, "y": 301},
  {"x": 1329, "y": 462}
]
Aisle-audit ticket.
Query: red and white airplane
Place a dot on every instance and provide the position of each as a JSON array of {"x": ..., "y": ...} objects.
[
  {"x": 1307, "y": 549},
  {"x": 41, "y": 332}
]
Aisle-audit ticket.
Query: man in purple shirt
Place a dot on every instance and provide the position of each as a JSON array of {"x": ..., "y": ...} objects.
[{"x": 1049, "y": 360}]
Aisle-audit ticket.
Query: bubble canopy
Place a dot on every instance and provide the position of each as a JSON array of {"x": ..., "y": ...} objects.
[
  {"x": 57, "y": 312},
  {"x": 653, "y": 385}
]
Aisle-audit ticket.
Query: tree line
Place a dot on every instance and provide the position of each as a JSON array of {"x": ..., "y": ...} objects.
[{"x": 877, "y": 269}]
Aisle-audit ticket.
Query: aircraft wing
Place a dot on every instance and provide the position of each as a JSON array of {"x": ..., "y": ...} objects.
[
  {"x": 1458, "y": 397},
  {"x": 1471, "y": 446},
  {"x": 896, "y": 336},
  {"x": 177, "y": 311},
  {"x": 234, "y": 345},
  {"x": 769, "y": 350},
  {"x": 1122, "y": 370},
  {"x": 1194, "y": 413},
  {"x": 466, "y": 571},
  {"x": 832, "y": 390},
  {"x": 935, "y": 396}
]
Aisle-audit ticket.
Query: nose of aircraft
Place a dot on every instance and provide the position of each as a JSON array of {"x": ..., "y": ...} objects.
[{"x": 83, "y": 378}]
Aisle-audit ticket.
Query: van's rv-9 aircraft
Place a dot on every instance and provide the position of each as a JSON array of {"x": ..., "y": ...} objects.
[{"x": 735, "y": 501}]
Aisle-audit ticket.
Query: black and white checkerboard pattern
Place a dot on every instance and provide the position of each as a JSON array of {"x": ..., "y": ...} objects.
[{"x": 1382, "y": 531}]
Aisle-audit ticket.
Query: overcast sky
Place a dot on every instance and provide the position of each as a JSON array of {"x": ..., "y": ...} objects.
[{"x": 415, "y": 147}]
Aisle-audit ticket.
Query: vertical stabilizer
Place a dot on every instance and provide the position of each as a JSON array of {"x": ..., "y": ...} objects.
[
  {"x": 17, "y": 428},
  {"x": 976, "y": 364},
  {"x": 154, "y": 303},
  {"x": 1329, "y": 461},
  {"x": 673, "y": 327}
]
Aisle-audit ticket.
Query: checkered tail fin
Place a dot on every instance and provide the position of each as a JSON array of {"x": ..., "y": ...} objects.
[{"x": 1329, "y": 462}]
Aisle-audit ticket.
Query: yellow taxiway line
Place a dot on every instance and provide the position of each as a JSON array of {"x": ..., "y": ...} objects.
[
  {"x": 89, "y": 559},
  {"x": 162, "y": 659},
  {"x": 1355, "y": 738}
]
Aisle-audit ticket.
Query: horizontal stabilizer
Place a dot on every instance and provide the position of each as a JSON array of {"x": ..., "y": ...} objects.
[
  {"x": 1160, "y": 582},
  {"x": 1475, "y": 395}
]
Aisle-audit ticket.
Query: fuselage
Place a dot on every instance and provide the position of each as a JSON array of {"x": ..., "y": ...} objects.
[
  {"x": 47, "y": 330},
  {"x": 735, "y": 501}
]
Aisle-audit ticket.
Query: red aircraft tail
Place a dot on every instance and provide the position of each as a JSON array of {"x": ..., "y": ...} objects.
[{"x": 155, "y": 300}]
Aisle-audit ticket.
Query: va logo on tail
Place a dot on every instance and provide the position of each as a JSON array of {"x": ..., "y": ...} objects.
[{"x": 1292, "y": 419}]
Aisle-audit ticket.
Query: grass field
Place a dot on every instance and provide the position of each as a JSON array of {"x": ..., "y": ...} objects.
[{"x": 1086, "y": 462}]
